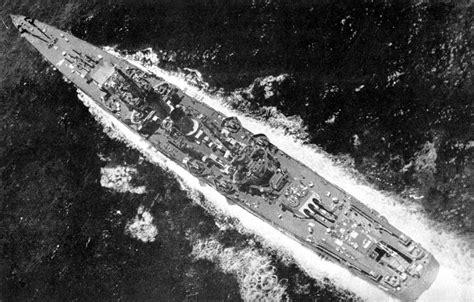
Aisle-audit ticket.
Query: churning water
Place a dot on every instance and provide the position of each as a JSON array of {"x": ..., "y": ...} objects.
[{"x": 456, "y": 276}]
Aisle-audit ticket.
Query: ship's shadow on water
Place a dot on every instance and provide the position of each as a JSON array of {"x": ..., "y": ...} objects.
[{"x": 386, "y": 88}]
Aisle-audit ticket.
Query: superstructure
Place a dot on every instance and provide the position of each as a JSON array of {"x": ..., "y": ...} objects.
[{"x": 244, "y": 167}]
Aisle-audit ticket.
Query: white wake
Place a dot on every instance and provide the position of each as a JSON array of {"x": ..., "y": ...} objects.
[
  {"x": 255, "y": 275},
  {"x": 141, "y": 227},
  {"x": 118, "y": 178},
  {"x": 455, "y": 280}
]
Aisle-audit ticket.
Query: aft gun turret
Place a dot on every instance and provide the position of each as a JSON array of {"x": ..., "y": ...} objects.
[{"x": 245, "y": 168}]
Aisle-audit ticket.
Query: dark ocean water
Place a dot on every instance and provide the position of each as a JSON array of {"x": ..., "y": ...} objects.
[{"x": 385, "y": 89}]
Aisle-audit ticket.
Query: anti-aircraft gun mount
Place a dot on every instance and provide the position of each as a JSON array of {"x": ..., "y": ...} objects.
[{"x": 245, "y": 168}]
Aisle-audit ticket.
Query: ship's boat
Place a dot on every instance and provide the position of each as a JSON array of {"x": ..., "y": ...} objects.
[{"x": 244, "y": 167}]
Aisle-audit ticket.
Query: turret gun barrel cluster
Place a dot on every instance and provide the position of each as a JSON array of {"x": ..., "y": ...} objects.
[{"x": 244, "y": 167}]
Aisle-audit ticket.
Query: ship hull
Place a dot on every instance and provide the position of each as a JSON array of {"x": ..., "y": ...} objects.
[{"x": 245, "y": 168}]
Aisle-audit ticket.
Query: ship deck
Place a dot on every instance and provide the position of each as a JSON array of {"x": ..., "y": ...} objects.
[{"x": 341, "y": 229}]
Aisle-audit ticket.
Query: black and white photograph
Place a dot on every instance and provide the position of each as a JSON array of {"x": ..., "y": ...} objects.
[{"x": 261, "y": 150}]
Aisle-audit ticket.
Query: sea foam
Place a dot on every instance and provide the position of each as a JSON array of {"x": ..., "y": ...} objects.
[
  {"x": 255, "y": 275},
  {"x": 118, "y": 179},
  {"x": 455, "y": 280}
]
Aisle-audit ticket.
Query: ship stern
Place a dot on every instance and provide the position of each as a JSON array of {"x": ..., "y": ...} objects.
[{"x": 427, "y": 278}]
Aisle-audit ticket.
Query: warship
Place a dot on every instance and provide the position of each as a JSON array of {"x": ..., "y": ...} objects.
[{"x": 244, "y": 167}]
